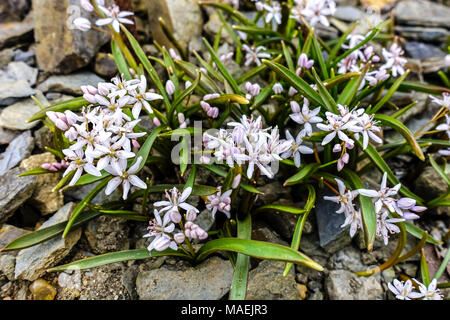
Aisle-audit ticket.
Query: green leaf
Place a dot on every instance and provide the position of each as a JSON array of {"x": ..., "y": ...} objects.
[
  {"x": 225, "y": 98},
  {"x": 369, "y": 216},
  {"x": 146, "y": 148},
  {"x": 71, "y": 104},
  {"x": 36, "y": 237},
  {"x": 79, "y": 208},
  {"x": 255, "y": 71},
  {"x": 340, "y": 42},
  {"x": 295, "y": 244},
  {"x": 424, "y": 269},
  {"x": 35, "y": 172},
  {"x": 298, "y": 83},
  {"x": 206, "y": 83},
  {"x": 407, "y": 86},
  {"x": 125, "y": 214},
  {"x": 197, "y": 190},
  {"x": 334, "y": 81},
  {"x": 107, "y": 258},
  {"x": 304, "y": 172},
  {"x": 393, "y": 88},
  {"x": 439, "y": 170},
  {"x": 187, "y": 92},
  {"x": 418, "y": 233},
  {"x": 328, "y": 100},
  {"x": 148, "y": 66},
  {"x": 222, "y": 68},
  {"x": 280, "y": 208},
  {"x": 404, "y": 131},
  {"x": 287, "y": 57},
  {"x": 239, "y": 284},
  {"x": 230, "y": 10},
  {"x": 443, "y": 266},
  {"x": 120, "y": 61},
  {"x": 319, "y": 57},
  {"x": 350, "y": 90},
  {"x": 257, "y": 249}
]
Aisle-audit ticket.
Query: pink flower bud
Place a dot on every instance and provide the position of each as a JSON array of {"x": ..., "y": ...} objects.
[
  {"x": 205, "y": 106},
  {"x": 156, "y": 122},
  {"x": 135, "y": 143},
  {"x": 179, "y": 237},
  {"x": 292, "y": 91},
  {"x": 345, "y": 157},
  {"x": 277, "y": 88},
  {"x": 340, "y": 165},
  {"x": 170, "y": 87},
  {"x": 236, "y": 181},
  {"x": 337, "y": 148},
  {"x": 46, "y": 166},
  {"x": 295, "y": 107},
  {"x": 191, "y": 215}
]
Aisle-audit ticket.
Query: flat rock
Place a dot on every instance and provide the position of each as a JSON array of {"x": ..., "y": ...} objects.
[
  {"x": 104, "y": 65},
  {"x": 345, "y": 285},
  {"x": 430, "y": 184},
  {"x": 332, "y": 236},
  {"x": 10, "y": 233},
  {"x": 266, "y": 282},
  {"x": 19, "y": 70},
  {"x": 6, "y": 135},
  {"x": 422, "y": 34},
  {"x": 422, "y": 13},
  {"x": 12, "y": 33},
  {"x": 70, "y": 84},
  {"x": 348, "y": 258},
  {"x": 14, "y": 117},
  {"x": 420, "y": 50},
  {"x": 12, "y": 91},
  {"x": 348, "y": 13},
  {"x": 31, "y": 263},
  {"x": 14, "y": 192},
  {"x": 210, "y": 280},
  {"x": 61, "y": 48},
  {"x": 183, "y": 17},
  {"x": 43, "y": 198},
  {"x": 19, "y": 149}
]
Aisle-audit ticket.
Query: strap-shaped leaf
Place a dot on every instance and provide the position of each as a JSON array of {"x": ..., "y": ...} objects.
[
  {"x": 280, "y": 208},
  {"x": 304, "y": 173},
  {"x": 327, "y": 99},
  {"x": 230, "y": 10},
  {"x": 392, "y": 89},
  {"x": 298, "y": 83},
  {"x": 257, "y": 249},
  {"x": 404, "y": 131},
  {"x": 71, "y": 104},
  {"x": 107, "y": 258},
  {"x": 146, "y": 148},
  {"x": 120, "y": 61},
  {"x": 439, "y": 170},
  {"x": 418, "y": 233}
]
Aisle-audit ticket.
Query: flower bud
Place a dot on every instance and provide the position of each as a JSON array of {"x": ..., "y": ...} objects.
[
  {"x": 161, "y": 243},
  {"x": 340, "y": 165},
  {"x": 179, "y": 237},
  {"x": 295, "y": 107},
  {"x": 191, "y": 215},
  {"x": 277, "y": 88},
  {"x": 205, "y": 106},
  {"x": 135, "y": 143},
  {"x": 236, "y": 181},
  {"x": 86, "y": 4},
  {"x": 156, "y": 122},
  {"x": 292, "y": 91},
  {"x": 82, "y": 24},
  {"x": 170, "y": 87},
  {"x": 337, "y": 148}
]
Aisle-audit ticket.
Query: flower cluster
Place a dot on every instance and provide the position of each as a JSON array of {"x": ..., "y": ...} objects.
[
  {"x": 358, "y": 59},
  {"x": 109, "y": 16},
  {"x": 385, "y": 205},
  {"x": 313, "y": 11},
  {"x": 103, "y": 135},
  {"x": 248, "y": 143},
  {"x": 349, "y": 122},
  {"x": 164, "y": 230},
  {"x": 405, "y": 290}
]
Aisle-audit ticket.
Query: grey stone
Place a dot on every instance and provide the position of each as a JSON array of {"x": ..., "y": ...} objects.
[
  {"x": 61, "y": 48},
  {"x": 29, "y": 56},
  {"x": 266, "y": 282},
  {"x": 12, "y": 91},
  {"x": 6, "y": 136},
  {"x": 18, "y": 70},
  {"x": 348, "y": 258},
  {"x": 14, "y": 117},
  {"x": 105, "y": 65},
  {"x": 422, "y": 33},
  {"x": 107, "y": 234},
  {"x": 46, "y": 200},
  {"x": 19, "y": 149},
  {"x": 422, "y": 13},
  {"x": 43, "y": 138},
  {"x": 264, "y": 233},
  {"x": 205, "y": 220},
  {"x": 9, "y": 233},
  {"x": 6, "y": 56},
  {"x": 348, "y": 13},
  {"x": 70, "y": 84},
  {"x": 210, "y": 280},
  {"x": 332, "y": 236},
  {"x": 12, "y": 33},
  {"x": 31, "y": 263},
  {"x": 7, "y": 264},
  {"x": 420, "y": 50},
  {"x": 430, "y": 184},
  {"x": 14, "y": 192},
  {"x": 183, "y": 17},
  {"x": 345, "y": 285}
]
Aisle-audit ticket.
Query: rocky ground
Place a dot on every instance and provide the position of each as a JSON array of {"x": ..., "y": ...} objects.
[{"x": 44, "y": 58}]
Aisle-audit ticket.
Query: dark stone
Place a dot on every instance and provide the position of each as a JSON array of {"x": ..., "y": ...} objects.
[{"x": 419, "y": 50}]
